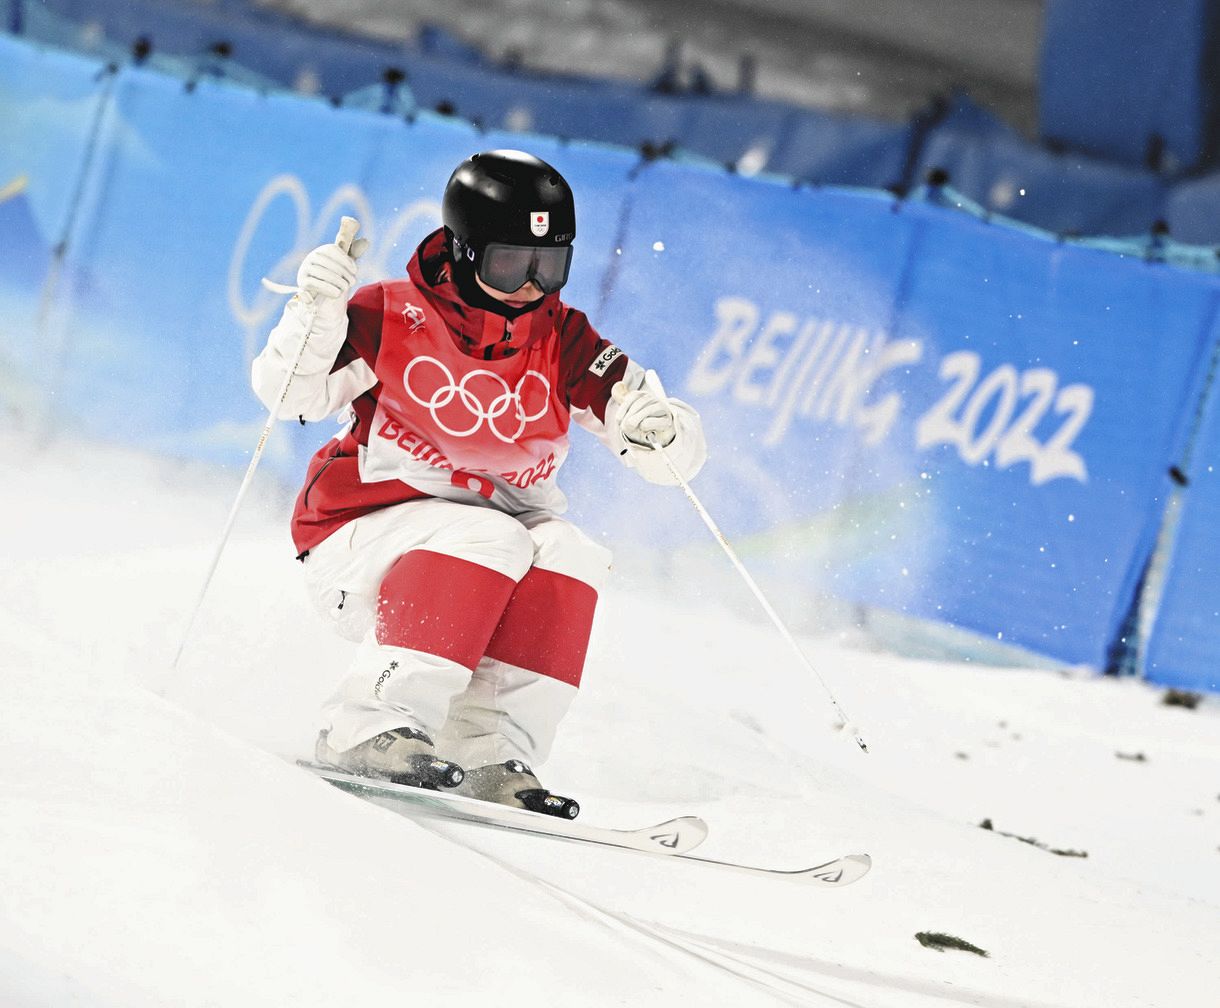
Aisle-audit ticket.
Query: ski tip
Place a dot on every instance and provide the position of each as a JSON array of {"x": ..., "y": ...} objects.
[
  {"x": 694, "y": 824},
  {"x": 677, "y": 836},
  {"x": 841, "y": 871}
]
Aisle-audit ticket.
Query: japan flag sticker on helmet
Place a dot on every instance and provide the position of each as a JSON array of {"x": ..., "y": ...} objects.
[{"x": 540, "y": 223}]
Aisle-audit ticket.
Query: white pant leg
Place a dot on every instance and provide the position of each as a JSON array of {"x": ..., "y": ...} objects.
[
  {"x": 343, "y": 574},
  {"x": 509, "y": 710},
  {"x": 504, "y": 713},
  {"x": 386, "y": 686},
  {"x": 389, "y": 687}
]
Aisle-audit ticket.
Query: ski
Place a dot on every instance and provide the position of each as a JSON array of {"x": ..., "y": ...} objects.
[
  {"x": 673, "y": 839},
  {"x": 842, "y": 871},
  {"x": 675, "y": 836}
]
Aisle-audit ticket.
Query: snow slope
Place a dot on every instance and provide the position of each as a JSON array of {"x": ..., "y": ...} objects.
[{"x": 155, "y": 849}]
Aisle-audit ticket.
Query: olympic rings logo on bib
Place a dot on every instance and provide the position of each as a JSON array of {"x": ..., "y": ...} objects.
[{"x": 458, "y": 408}]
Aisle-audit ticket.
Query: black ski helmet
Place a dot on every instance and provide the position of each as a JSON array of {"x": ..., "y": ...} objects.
[{"x": 506, "y": 197}]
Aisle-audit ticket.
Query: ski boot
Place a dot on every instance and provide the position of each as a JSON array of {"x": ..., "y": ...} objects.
[
  {"x": 514, "y": 783},
  {"x": 401, "y": 756}
]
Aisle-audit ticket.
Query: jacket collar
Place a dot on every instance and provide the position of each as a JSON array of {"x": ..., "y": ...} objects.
[{"x": 476, "y": 332}]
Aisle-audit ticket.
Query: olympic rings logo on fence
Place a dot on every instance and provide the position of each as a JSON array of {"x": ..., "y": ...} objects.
[
  {"x": 480, "y": 413},
  {"x": 281, "y": 226}
]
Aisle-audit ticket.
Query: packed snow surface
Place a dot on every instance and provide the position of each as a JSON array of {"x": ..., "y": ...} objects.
[{"x": 156, "y": 848}]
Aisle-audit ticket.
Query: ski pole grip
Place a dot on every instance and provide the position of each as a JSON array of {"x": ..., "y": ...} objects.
[
  {"x": 348, "y": 227},
  {"x": 618, "y": 393}
]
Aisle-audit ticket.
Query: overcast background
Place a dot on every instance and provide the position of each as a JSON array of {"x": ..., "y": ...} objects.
[{"x": 880, "y": 57}]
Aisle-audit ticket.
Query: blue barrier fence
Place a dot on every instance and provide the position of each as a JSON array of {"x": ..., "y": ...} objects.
[
  {"x": 1064, "y": 193},
  {"x": 1132, "y": 82},
  {"x": 1182, "y": 649},
  {"x": 988, "y": 162},
  {"x": 909, "y": 407}
]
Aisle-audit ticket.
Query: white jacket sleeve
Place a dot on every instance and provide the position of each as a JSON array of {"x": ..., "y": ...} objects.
[
  {"x": 314, "y": 393},
  {"x": 687, "y": 452}
]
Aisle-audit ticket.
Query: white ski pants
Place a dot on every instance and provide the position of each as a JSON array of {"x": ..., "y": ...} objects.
[{"x": 473, "y": 625}]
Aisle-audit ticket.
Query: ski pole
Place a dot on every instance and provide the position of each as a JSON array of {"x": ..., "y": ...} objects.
[
  {"x": 348, "y": 227},
  {"x": 753, "y": 585}
]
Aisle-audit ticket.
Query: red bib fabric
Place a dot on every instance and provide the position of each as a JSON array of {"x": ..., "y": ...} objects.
[
  {"x": 460, "y": 403},
  {"x": 482, "y": 425}
]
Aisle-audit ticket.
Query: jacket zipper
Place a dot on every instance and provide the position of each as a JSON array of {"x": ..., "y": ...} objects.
[{"x": 317, "y": 476}]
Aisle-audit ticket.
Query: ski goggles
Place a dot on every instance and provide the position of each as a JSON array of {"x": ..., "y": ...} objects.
[{"x": 507, "y": 268}]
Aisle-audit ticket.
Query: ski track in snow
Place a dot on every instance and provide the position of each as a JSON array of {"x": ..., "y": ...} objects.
[{"x": 153, "y": 850}]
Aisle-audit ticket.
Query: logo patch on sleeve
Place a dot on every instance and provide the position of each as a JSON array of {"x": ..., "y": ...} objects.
[{"x": 604, "y": 360}]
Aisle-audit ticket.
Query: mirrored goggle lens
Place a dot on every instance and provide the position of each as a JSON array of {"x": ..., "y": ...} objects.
[{"x": 508, "y": 267}]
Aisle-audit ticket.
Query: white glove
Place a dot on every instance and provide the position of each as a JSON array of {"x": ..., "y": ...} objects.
[
  {"x": 318, "y": 311},
  {"x": 645, "y": 418},
  {"x": 635, "y": 415},
  {"x": 330, "y": 270}
]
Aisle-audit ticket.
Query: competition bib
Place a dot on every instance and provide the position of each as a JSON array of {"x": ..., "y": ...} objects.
[{"x": 445, "y": 417}]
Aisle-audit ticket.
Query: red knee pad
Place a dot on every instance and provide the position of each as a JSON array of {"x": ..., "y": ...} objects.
[
  {"x": 546, "y": 625},
  {"x": 441, "y": 605}
]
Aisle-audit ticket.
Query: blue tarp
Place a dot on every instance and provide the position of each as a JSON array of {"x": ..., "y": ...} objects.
[
  {"x": 305, "y": 59},
  {"x": 50, "y": 103},
  {"x": 1064, "y": 193},
  {"x": 441, "y": 74},
  {"x": 1193, "y": 212},
  {"x": 49, "y": 106},
  {"x": 908, "y": 406},
  {"x": 1131, "y": 82},
  {"x": 984, "y": 419},
  {"x": 843, "y": 150},
  {"x": 1184, "y": 649},
  {"x": 988, "y": 161}
]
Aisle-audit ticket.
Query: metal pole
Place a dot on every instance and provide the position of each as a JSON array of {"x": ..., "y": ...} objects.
[
  {"x": 347, "y": 232},
  {"x": 758, "y": 594}
]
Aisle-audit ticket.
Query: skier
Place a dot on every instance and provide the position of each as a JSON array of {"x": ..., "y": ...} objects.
[{"x": 428, "y": 527}]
